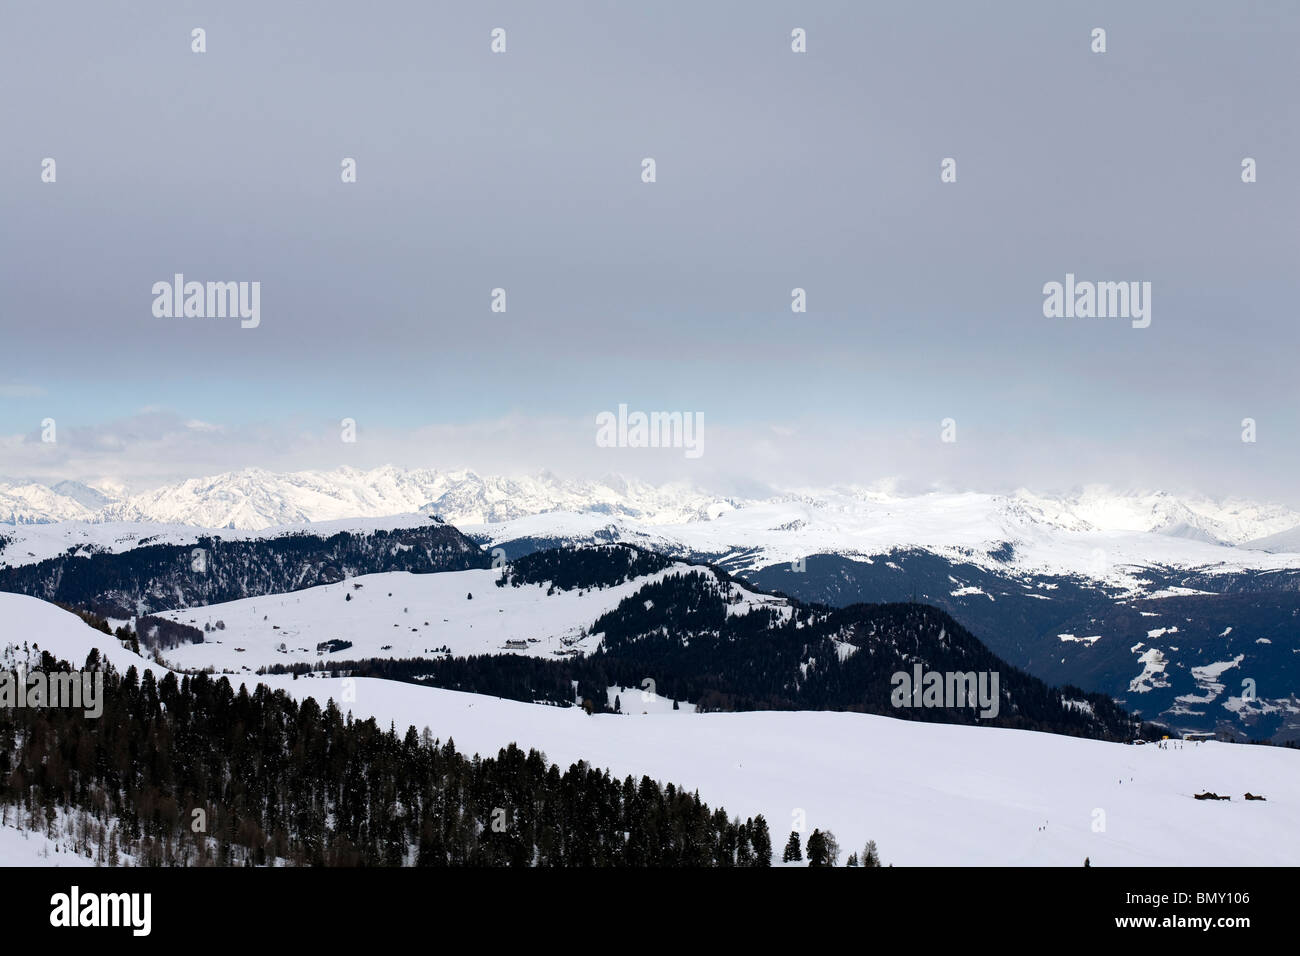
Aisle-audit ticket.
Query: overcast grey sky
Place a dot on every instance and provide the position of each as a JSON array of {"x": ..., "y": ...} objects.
[{"x": 775, "y": 170}]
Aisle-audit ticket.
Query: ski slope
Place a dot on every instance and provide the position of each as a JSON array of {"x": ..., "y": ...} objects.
[{"x": 928, "y": 794}]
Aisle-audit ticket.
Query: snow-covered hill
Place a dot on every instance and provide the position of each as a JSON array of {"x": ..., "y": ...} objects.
[
  {"x": 399, "y": 615},
  {"x": 928, "y": 794}
]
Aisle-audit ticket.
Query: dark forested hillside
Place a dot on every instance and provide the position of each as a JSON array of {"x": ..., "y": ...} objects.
[
  {"x": 1223, "y": 615},
  {"x": 568, "y": 569},
  {"x": 277, "y": 780},
  {"x": 212, "y": 570}
]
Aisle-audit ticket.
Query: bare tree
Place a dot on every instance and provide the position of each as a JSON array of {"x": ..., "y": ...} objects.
[{"x": 832, "y": 848}]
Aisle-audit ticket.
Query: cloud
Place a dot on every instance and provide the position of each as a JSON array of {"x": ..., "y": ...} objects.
[{"x": 749, "y": 460}]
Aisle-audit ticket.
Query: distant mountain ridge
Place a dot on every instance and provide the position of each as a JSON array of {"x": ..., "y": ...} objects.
[{"x": 253, "y": 499}]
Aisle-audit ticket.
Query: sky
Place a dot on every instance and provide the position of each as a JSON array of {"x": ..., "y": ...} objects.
[{"x": 775, "y": 170}]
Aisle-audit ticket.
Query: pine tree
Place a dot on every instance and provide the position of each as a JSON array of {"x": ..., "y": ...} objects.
[
  {"x": 761, "y": 840},
  {"x": 852, "y": 860},
  {"x": 816, "y": 849},
  {"x": 793, "y": 853},
  {"x": 869, "y": 855},
  {"x": 744, "y": 846}
]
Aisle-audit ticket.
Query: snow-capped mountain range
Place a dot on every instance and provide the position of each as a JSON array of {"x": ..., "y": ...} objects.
[
  {"x": 253, "y": 499},
  {"x": 1095, "y": 531}
]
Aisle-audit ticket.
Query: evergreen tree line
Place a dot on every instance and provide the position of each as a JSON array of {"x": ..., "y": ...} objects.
[
  {"x": 824, "y": 850},
  {"x": 274, "y": 780},
  {"x": 570, "y": 569}
]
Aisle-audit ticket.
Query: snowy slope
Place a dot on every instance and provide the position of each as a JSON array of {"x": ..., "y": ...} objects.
[
  {"x": 927, "y": 793},
  {"x": 1288, "y": 540},
  {"x": 397, "y": 615},
  {"x": 28, "y": 847}
]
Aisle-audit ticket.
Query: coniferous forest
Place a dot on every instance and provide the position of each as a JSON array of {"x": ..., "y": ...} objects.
[{"x": 192, "y": 772}]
